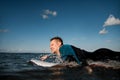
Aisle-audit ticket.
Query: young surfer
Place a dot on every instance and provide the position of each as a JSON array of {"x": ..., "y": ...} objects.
[{"x": 71, "y": 53}]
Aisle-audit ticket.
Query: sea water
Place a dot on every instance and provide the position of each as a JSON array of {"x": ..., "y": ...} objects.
[{"x": 16, "y": 66}]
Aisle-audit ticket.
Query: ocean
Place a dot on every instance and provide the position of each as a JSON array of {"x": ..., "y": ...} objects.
[{"x": 16, "y": 66}]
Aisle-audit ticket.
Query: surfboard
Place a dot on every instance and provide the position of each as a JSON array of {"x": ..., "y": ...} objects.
[{"x": 43, "y": 63}]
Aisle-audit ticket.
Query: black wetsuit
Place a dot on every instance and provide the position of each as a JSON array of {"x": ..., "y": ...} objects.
[{"x": 72, "y": 53}]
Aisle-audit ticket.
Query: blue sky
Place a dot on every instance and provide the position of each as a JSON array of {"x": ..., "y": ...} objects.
[{"x": 28, "y": 25}]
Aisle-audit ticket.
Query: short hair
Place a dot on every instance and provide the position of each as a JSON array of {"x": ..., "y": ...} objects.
[{"x": 57, "y": 38}]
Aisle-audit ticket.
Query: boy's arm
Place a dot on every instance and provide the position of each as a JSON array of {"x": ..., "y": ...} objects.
[{"x": 45, "y": 57}]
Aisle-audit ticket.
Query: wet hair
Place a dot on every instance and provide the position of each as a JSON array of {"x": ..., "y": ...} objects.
[{"x": 57, "y": 38}]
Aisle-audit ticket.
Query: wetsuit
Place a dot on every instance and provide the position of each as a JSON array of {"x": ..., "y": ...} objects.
[{"x": 71, "y": 53}]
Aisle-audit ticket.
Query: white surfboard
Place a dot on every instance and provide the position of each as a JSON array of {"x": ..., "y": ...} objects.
[{"x": 43, "y": 63}]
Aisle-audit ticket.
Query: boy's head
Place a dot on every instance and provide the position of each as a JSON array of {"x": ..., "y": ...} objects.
[{"x": 55, "y": 44}]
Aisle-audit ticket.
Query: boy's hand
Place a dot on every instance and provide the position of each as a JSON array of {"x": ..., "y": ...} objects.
[{"x": 44, "y": 57}]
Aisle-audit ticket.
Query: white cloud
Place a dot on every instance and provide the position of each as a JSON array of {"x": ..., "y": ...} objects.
[
  {"x": 3, "y": 30},
  {"x": 47, "y": 13},
  {"x": 103, "y": 31},
  {"x": 44, "y": 16},
  {"x": 111, "y": 21},
  {"x": 54, "y": 13}
]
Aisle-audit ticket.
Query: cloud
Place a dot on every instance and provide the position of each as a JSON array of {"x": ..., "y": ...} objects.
[
  {"x": 54, "y": 13},
  {"x": 103, "y": 31},
  {"x": 12, "y": 50},
  {"x": 4, "y": 50},
  {"x": 44, "y": 16},
  {"x": 111, "y": 21},
  {"x": 47, "y": 13},
  {"x": 3, "y": 30}
]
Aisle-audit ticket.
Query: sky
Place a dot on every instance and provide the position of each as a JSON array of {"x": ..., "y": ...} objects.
[{"x": 28, "y": 25}]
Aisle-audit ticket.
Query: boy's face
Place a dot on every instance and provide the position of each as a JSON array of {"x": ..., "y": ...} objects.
[{"x": 55, "y": 45}]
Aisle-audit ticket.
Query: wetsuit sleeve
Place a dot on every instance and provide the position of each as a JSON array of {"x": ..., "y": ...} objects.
[
  {"x": 66, "y": 51},
  {"x": 81, "y": 54}
]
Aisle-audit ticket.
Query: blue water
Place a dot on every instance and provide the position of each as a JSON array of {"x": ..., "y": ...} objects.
[
  {"x": 12, "y": 62},
  {"x": 16, "y": 66}
]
